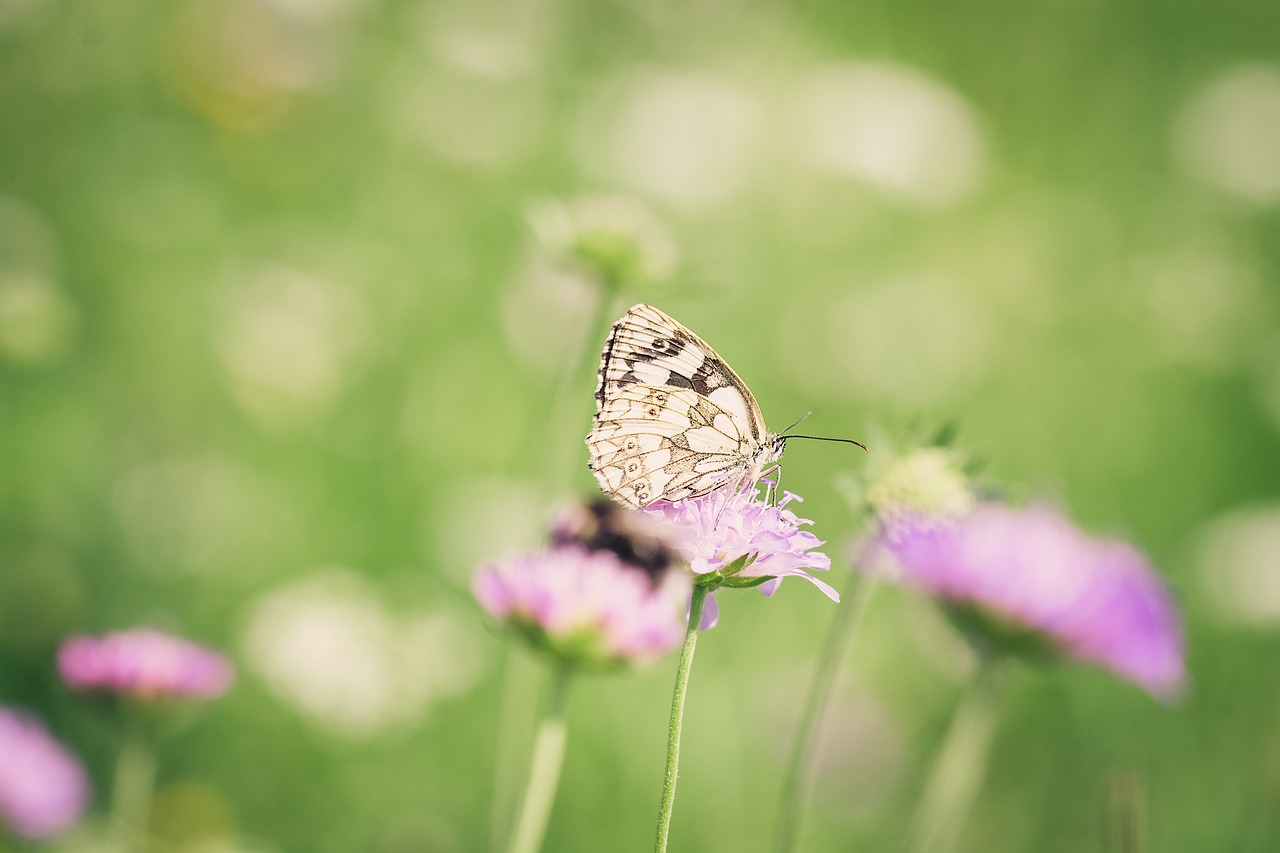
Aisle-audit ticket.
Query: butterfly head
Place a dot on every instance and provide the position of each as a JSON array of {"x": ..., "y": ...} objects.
[{"x": 769, "y": 452}]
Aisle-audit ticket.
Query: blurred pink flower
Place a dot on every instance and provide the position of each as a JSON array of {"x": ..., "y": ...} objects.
[
  {"x": 585, "y": 607},
  {"x": 144, "y": 664},
  {"x": 718, "y": 528},
  {"x": 1095, "y": 600},
  {"x": 43, "y": 788}
]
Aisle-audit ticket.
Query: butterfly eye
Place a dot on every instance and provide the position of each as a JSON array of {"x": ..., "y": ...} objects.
[
  {"x": 632, "y": 444},
  {"x": 653, "y": 411},
  {"x": 633, "y": 467}
]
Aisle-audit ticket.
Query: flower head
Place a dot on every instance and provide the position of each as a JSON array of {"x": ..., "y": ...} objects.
[
  {"x": 923, "y": 483},
  {"x": 144, "y": 664},
  {"x": 1030, "y": 573},
  {"x": 616, "y": 237},
  {"x": 738, "y": 539},
  {"x": 43, "y": 788},
  {"x": 585, "y": 607}
]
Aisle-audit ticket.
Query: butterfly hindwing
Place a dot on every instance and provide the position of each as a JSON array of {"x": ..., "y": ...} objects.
[{"x": 653, "y": 441}]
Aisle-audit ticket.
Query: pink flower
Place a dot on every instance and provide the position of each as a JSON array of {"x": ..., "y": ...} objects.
[
  {"x": 1091, "y": 599},
  {"x": 720, "y": 528},
  {"x": 586, "y": 607},
  {"x": 144, "y": 664},
  {"x": 43, "y": 788}
]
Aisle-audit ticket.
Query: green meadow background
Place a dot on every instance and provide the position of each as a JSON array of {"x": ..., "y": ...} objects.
[{"x": 282, "y": 358}]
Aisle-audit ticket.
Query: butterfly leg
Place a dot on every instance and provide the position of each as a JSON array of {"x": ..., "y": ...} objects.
[
  {"x": 772, "y": 488},
  {"x": 733, "y": 492}
]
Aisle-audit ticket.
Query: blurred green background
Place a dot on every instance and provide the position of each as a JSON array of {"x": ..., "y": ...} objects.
[{"x": 280, "y": 355}]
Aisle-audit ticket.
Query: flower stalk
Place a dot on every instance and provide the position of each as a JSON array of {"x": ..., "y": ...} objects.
[
  {"x": 134, "y": 785},
  {"x": 961, "y": 763},
  {"x": 1126, "y": 818},
  {"x": 567, "y": 407},
  {"x": 798, "y": 779},
  {"x": 677, "y": 716},
  {"x": 605, "y": 596},
  {"x": 544, "y": 767}
]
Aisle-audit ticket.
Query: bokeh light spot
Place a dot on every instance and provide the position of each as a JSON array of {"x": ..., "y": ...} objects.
[
  {"x": 690, "y": 138},
  {"x": 290, "y": 344},
  {"x": 328, "y": 647},
  {"x": 463, "y": 534},
  {"x": 1238, "y": 564},
  {"x": 894, "y": 128},
  {"x": 1202, "y": 303},
  {"x": 201, "y": 516},
  {"x": 1228, "y": 135},
  {"x": 36, "y": 319}
]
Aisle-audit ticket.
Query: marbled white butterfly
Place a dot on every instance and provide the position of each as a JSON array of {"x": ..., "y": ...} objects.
[{"x": 672, "y": 419}]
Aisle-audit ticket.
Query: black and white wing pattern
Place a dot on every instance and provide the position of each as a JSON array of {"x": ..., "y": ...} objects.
[{"x": 672, "y": 419}]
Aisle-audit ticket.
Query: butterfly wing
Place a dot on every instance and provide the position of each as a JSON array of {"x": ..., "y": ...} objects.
[
  {"x": 672, "y": 419},
  {"x": 647, "y": 347},
  {"x": 655, "y": 442}
]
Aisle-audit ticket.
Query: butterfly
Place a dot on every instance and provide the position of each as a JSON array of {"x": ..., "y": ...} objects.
[{"x": 672, "y": 418}]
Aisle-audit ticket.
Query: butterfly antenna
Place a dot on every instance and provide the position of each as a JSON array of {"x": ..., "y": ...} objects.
[
  {"x": 824, "y": 438},
  {"x": 795, "y": 423}
]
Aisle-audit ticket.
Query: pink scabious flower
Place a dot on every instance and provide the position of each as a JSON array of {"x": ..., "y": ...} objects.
[
  {"x": 43, "y": 788},
  {"x": 144, "y": 664},
  {"x": 718, "y": 530},
  {"x": 1093, "y": 600},
  {"x": 586, "y": 607}
]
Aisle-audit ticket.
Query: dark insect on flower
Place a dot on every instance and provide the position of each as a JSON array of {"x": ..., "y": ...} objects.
[{"x": 634, "y": 538}]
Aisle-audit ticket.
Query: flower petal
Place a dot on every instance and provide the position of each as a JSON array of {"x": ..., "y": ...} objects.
[{"x": 710, "y": 613}]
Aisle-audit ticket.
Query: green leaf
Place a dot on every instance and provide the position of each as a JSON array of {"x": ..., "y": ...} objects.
[
  {"x": 946, "y": 434},
  {"x": 737, "y": 565},
  {"x": 747, "y": 583}
]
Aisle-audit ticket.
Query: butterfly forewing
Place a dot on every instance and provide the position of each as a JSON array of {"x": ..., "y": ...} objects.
[
  {"x": 647, "y": 347},
  {"x": 672, "y": 419}
]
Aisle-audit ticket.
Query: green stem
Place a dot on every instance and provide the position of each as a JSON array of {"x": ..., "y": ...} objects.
[
  {"x": 131, "y": 794},
  {"x": 961, "y": 763},
  {"x": 677, "y": 717},
  {"x": 798, "y": 781},
  {"x": 544, "y": 768},
  {"x": 510, "y": 743},
  {"x": 569, "y": 415},
  {"x": 1126, "y": 807},
  {"x": 566, "y": 416}
]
